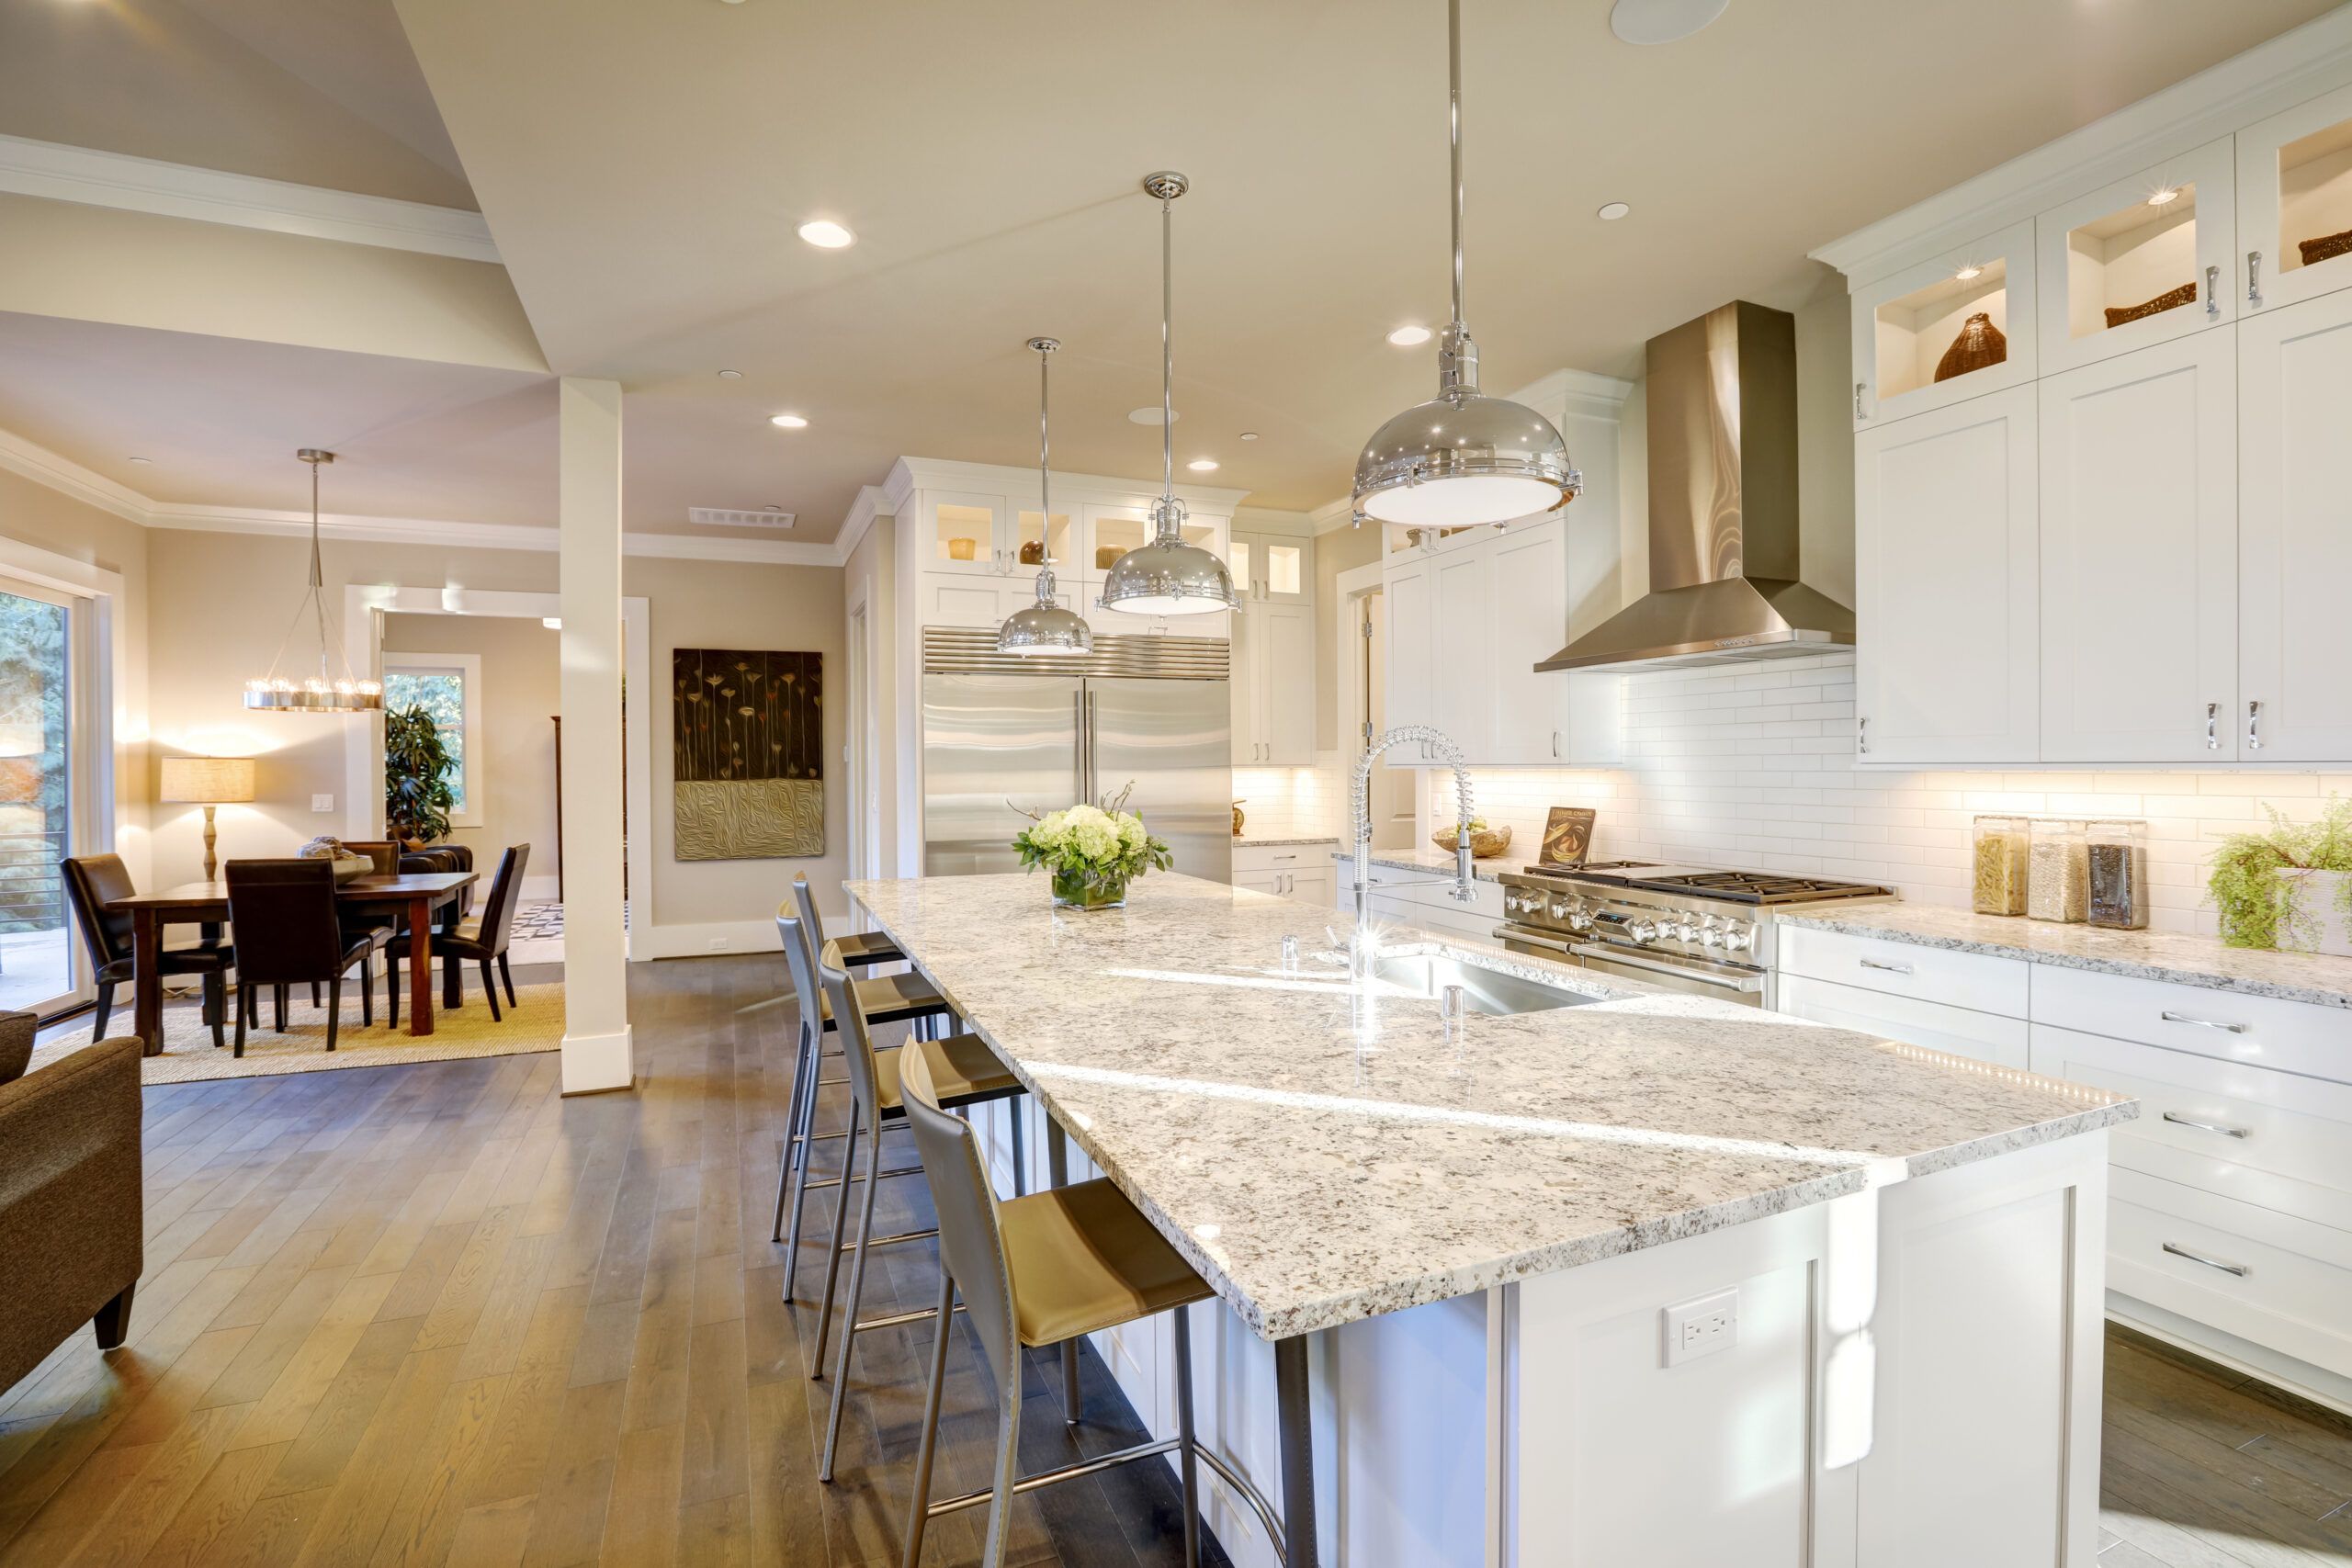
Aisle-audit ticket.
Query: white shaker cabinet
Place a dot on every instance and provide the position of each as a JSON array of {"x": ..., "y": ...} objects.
[
  {"x": 1462, "y": 650},
  {"x": 2132, "y": 241},
  {"x": 1947, "y": 638},
  {"x": 1410, "y": 692},
  {"x": 1274, "y": 683},
  {"x": 1905, "y": 322},
  {"x": 2139, "y": 556},
  {"x": 2294, "y": 184},
  {"x": 2294, "y": 436},
  {"x": 1543, "y": 718}
]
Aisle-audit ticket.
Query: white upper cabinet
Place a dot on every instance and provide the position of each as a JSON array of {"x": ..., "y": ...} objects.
[
  {"x": 2139, "y": 555},
  {"x": 1907, "y": 324},
  {"x": 1408, "y": 689},
  {"x": 2295, "y": 532},
  {"x": 1541, "y": 718},
  {"x": 964, "y": 534},
  {"x": 1274, "y": 646},
  {"x": 1462, "y": 650},
  {"x": 2140, "y": 242},
  {"x": 1946, "y": 639},
  {"x": 2295, "y": 203},
  {"x": 1277, "y": 569}
]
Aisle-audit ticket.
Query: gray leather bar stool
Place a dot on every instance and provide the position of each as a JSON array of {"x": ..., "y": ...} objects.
[
  {"x": 886, "y": 999},
  {"x": 966, "y": 1073},
  {"x": 1037, "y": 1271},
  {"x": 862, "y": 950}
]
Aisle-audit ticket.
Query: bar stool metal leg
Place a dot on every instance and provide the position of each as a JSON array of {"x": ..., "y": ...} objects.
[
  {"x": 918, "y": 1511},
  {"x": 788, "y": 1157},
  {"x": 1058, "y": 1174},
  {"x": 1191, "y": 1464},
  {"x": 840, "y": 1224},
  {"x": 807, "y": 1125},
  {"x": 849, "y": 1308}
]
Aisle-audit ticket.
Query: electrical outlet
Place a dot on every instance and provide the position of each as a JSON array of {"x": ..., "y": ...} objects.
[
  {"x": 718, "y": 944},
  {"x": 323, "y": 802},
  {"x": 1700, "y": 1326}
]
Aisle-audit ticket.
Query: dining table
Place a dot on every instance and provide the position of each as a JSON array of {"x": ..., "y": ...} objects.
[{"x": 413, "y": 898}]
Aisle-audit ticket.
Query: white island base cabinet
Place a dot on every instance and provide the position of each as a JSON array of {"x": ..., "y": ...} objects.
[{"x": 1907, "y": 1377}]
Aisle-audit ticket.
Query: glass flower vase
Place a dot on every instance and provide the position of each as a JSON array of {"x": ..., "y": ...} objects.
[{"x": 1081, "y": 890}]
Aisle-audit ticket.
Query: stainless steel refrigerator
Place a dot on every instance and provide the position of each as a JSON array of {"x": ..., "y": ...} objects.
[{"x": 996, "y": 744}]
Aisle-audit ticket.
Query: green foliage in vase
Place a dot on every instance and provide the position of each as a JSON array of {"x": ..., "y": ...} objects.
[
  {"x": 1099, "y": 844},
  {"x": 2256, "y": 902},
  {"x": 417, "y": 798}
]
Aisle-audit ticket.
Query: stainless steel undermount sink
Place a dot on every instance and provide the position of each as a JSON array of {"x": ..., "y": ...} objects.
[{"x": 1487, "y": 990}]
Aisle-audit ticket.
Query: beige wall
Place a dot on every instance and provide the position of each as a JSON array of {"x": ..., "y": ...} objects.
[
  {"x": 516, "y": 771},
  {"x": 35, "y": 514},
  {"x": 226, "y": 604}
]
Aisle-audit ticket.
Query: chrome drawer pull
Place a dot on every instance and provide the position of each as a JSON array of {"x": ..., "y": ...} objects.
[
  {"x": 2177, "y": 1120},
  {"x": 1890, "y": 968},
  {"x": 2204, "y": 1022},
  {"x": 2240, "y": 1269}
]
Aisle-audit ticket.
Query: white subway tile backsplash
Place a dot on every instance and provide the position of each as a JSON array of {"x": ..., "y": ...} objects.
[{"x": 1755, "y": 766}]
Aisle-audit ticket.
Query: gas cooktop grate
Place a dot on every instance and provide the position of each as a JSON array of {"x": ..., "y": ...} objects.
[{"x": 1756, "y": 887}]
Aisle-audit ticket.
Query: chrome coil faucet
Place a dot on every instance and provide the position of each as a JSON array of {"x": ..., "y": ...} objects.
[{"x": 1360, "y": 806}]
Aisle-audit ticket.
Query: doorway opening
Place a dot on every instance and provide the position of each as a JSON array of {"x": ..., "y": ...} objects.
[{"x": 46, "y": 809}]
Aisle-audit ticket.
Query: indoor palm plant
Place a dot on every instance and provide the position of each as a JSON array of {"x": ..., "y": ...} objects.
[
  {"x": 2290, "y": 887},
  {"x": 417, "y": 798},
  {"x": 1092, "y": 852}
]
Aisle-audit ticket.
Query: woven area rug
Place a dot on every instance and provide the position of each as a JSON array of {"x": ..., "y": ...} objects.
[{"x": 536, "y": 1024}]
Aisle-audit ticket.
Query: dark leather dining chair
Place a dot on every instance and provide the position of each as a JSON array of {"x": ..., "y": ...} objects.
[
  {"x": 92, "y": 882},
  {"x": 283, "y": 923},
  {"x": 485, "y": 944}
]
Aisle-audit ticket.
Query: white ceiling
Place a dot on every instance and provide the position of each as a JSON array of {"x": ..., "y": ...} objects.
[{"x": 643, "y": 166}]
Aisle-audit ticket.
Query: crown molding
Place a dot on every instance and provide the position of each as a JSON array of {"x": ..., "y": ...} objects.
[
  {"x": 92, "y": 178},
  {"x": 909, "y": 474},
  {"x": 2274, "y": 74},
  {"x": 70, "y": 479},
  {"x": 1333, "y": 515},
  {"x": 871, "y": 504}
]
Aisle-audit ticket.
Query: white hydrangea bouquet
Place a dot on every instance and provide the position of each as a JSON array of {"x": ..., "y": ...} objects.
[{"x": 1093, "y": 851}]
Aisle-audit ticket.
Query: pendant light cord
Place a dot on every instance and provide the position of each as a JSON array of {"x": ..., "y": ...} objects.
[
  {"x": 1453, "y": 130},
  {"x": 1167, "y": 364},
  {"x": 1044, "y": 478}
]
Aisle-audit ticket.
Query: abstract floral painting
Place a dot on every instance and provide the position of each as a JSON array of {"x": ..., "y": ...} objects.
[{"x": 748, "y": 753}]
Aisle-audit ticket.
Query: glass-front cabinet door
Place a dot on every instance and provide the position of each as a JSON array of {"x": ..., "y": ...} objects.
[
  {"x": 2144, "y": 260},
  {"x": 1039, "y": 541},
  {"x": 1959, "y": 326},
  {"x": 965, "y": 532},
  {"x": 2295, "y": 203},
  {"x": 1273, "y": 567}
]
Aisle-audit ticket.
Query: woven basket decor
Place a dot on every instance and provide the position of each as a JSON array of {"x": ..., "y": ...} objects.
[
  {"x": 2170, "y": 300},
  {"x": 1980, "y": 344},
  {"x": 1485, "y": 843},
  {"x": 2326, "y": 246}
]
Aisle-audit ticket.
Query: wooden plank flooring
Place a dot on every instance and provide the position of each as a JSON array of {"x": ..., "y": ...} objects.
[{"x": 439, "y": 1315}]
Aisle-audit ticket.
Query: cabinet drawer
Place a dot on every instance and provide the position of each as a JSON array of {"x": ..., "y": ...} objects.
[
  {"x": 1971, "y": 980},
  {"x": 2295, "y": 1037},
  {"x": 2275, "y": 1140},
  {"x": 2278, "y": 1281},
  {"x": 1282, "y": 857},
  {"x": 1980, "y": 1036}
]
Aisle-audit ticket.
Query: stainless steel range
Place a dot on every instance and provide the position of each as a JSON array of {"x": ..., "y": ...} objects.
[{"x": 1685, "y": 928}]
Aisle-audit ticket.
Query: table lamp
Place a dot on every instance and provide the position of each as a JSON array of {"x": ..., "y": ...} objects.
[{"x": 208, "y": 782}]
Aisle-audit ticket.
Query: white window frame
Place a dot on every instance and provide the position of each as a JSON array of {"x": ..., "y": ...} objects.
[{"x": 467, "y": 667}]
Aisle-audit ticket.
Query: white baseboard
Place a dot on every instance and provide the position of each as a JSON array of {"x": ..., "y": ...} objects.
[
  {"x": 595, "y": 1063},
  {"x": 542, "y": 890},
  {"x": 702, "y": 939}
]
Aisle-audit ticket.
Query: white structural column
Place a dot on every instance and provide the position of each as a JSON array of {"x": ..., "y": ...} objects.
[{"x": 588, "y": 507}]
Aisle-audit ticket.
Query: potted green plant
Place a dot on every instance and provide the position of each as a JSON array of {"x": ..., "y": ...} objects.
[
  {"x": 2289, "y": 888},
  {"x": 1094, "y": 851},
  {"x": 417, "y": 796}
]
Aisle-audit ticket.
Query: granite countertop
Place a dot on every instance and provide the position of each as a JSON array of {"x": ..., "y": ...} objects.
[
  {"x": 1252, "y": 842},
  {"x": 1430, "y": 859},
  {"x": 1322, "y": 1151},
  {"x": 2147, "y": 955}
]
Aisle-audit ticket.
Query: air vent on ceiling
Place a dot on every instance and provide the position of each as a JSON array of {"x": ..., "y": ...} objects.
[{"x": 727, "y": 517}]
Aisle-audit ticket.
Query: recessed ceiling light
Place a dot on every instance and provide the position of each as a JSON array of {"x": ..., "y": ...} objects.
[
  {"x": 826, "y": 234},
  {"x": 142, "y": 462},
  {"x": 1969, "y": 273},
  {"x": 1406, "y": 336},
  {"x": 1146, "y": 416},
  {"x": 1662, "y": 21},
  {"x": 1611, "y": 211},
  {"x": 789, "y": 422},
  {"x": 1248, "y": 436},
  {"x": 1202, "y": 465},
  {"x": 730, "y": 375},
  {"x": 2165, "y": 197}
]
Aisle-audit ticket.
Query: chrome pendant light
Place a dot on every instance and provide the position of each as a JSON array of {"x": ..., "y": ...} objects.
[
  {"x": 326, "y": 692},
  {"x": 1462, "y": 458},
  {"x": 1044, "y": 627},
  {"x": 1167, "y": 576}
]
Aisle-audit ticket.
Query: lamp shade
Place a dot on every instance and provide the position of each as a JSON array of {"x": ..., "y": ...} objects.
[{"x": 208, "y": 781}]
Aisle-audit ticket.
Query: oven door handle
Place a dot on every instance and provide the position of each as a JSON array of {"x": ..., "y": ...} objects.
[
  {"x": 1712, "y": 975},
  {"x": 1526, "y": 938}
]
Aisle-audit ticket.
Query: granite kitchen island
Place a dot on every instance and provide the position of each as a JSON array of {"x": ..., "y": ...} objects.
[{"x": 1626, "y": 1278}]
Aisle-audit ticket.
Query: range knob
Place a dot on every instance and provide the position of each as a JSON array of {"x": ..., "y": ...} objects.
[
  {"x": 1580, "y": 919},
  {"x": 1711, "y": 933},
  {"x": 1513, "y": 903},
  {"x": 1684, "y": 929},
  {"x": 1641, "y": 929},
  {"x": 1562, "y": 905},
  {"x": 1738, "y": 936}
]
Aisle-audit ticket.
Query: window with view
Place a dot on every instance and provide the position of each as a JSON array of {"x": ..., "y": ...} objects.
[{"x": 448, "y": 687}]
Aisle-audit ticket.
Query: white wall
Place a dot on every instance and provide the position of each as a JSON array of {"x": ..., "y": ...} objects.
[{"x": 1753, "y": 765}]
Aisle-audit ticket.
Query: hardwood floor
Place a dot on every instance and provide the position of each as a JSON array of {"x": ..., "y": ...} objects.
[{"x": 439, "y": 1315}]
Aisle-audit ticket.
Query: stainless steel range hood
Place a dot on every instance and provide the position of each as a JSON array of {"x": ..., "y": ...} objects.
[{"x": 1724, "y": 580}]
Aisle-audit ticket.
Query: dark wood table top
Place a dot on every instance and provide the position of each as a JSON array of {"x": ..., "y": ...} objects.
[{"x": 359, "y": 889}]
